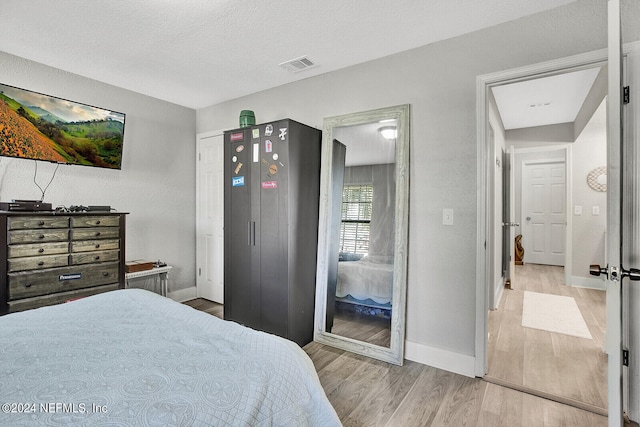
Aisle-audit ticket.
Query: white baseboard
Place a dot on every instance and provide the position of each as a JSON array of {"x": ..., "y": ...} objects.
[
  {"x": 182, "y": 295},
  {"x": 588, "y": 282},
  {"x": 499, "y": 289},
  {"x": 441, "y": 359}
]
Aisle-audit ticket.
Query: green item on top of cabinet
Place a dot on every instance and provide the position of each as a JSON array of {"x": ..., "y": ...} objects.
[{"x": 247, "y": 118}]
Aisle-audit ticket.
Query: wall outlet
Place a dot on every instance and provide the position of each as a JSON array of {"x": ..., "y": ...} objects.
[
  {"x": 595, "y": 210},
  {"x": 577, "y": 210}
]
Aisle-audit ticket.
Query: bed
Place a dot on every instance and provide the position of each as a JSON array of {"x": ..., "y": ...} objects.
[
  {"x": 134, "y": 358},
  {"x": 367, "y": 281}
]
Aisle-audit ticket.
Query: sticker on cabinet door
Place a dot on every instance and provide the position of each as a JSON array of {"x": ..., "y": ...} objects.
[
  {"x": 273, "y": 169},
  {"x": 239, "y": 148},
  {"x": 256, "y": 152},
  {"x": 256, "y": 133},
  {"x": 268, "y": 130},
  {"x": 237, "y": 136},
  {"x": 275, "y": 156},
  {"x": 237, "y": 181},
  {"x": 237, "y": 170},
  {"x": 283, "y": 133},
  {"x": 268, "y": 146},
  {"x": 269, "y": 184},
  {"x": 234, "y": 159}
]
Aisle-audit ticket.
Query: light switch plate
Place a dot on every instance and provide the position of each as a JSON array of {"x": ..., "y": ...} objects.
[
  {"x": 447, "y": 216},
  {"x": 577, "y": 210}
]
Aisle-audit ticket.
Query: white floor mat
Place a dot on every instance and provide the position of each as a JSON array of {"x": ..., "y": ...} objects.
[{"x": 553, "y": 313}]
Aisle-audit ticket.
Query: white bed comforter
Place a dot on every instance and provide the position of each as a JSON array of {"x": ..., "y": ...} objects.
[
  {"x": 134, "y": 358},
  {"x": 371, "y": 277}
]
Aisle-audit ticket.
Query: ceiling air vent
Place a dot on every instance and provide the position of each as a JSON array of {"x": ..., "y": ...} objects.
[{"x": 298, "y": 64}]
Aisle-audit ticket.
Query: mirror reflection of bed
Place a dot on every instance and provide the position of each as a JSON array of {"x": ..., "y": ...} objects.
[{"x": 364, "y": 239}]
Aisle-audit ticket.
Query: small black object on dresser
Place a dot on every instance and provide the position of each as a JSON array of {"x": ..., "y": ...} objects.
[{"x": 49, "y": 258}]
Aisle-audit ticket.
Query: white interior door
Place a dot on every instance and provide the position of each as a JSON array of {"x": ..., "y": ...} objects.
[
  {"x": 631, "y": 231},
  {"x": 614, "y": 211},
  {"x": 543, "y": 210},
  {"x": 511, "y": 206},
  {"x": 508, "y": 215},
  {"x": 210, "y": 217}
]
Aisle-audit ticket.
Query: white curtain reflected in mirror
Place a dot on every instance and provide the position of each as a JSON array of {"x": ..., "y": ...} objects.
[{"x": 361, "y": 282}]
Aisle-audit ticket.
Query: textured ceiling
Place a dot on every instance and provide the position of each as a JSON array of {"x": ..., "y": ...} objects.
[{"x": 197, "y": 53}]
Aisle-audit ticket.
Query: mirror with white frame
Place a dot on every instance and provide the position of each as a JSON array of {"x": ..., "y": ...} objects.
[{"x": 363, "y": 233}]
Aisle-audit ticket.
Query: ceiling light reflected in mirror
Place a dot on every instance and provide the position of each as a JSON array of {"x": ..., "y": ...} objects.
[{"x": 388, "y": 132}]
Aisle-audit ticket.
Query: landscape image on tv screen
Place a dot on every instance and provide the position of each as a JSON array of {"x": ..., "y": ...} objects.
[{"x": 43, "y": 127}]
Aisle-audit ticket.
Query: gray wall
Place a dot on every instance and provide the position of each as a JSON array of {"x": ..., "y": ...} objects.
[
  {"x": 156, "y": 184},
  {"x": 494, "y": 210},
  {"x": 439, "y": 81},
  {"x": 589, "y": 152}
]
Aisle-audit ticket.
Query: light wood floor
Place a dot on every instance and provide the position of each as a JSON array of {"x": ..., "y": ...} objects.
[
  {"x": 367, "y": 392},
  {"x": 371, "y": 329},
  {"x": 552, "y": 363}
]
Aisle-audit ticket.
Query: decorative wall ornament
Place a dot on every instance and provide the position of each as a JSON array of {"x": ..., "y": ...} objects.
[{"x": 597, "y": 179}]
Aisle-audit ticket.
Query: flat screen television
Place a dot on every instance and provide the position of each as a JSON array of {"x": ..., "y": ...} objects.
[{"x": 43, "y": 127}]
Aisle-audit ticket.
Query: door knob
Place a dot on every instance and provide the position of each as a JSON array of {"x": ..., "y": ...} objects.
[
  {"x": 596, "y": 270},
  {"x": 632, "y": 273},
  {"x": 528, "y": 218}
]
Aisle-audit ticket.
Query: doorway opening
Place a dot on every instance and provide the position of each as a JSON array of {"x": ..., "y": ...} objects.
[{"x": 560, "y": 222}]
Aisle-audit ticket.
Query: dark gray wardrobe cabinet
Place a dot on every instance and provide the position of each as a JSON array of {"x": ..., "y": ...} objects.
[{"x": 271, "y": 197}]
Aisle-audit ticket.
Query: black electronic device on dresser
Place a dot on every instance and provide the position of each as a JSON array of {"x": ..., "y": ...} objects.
[
  {"x": 25, "y": 206},
  {"x": 52, "y": 257},
  {"x": 271, "y": 199}
]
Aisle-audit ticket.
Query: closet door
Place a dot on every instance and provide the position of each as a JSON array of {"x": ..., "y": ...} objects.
[
  {"x": 274, "y": 229},
  {"x": 239, "y": 230}
]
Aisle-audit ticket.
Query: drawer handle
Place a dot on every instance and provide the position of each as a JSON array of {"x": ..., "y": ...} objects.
[
  {"x": 40, "y": 222},
  {"x": 97, "y": 246},
  {"x": 27, "y": 285},
  {"x": 97, "y": 233},
  {"x": 105, "y": 274},
  {"x": 41, "y": 263},
  {"x": 41, "y": 250},
  {"x": 41, "y": 236},
  {"x": 98, "y": 222},
  {"x": 97, "y": 257}
]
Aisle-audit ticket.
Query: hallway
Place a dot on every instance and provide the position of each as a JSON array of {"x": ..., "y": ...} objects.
[{"x": 562, "y": 367}]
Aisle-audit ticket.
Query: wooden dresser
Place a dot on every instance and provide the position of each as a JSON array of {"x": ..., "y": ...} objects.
[{"x": 52, "y": 257}]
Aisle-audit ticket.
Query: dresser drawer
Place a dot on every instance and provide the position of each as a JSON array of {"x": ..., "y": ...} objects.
[
  {"x": 37, "y": 222},
  {"x": 35, "y": 302},
  {"x": 37, "y": 262},
  {"x": 97, "y": 256},
  {"x": 34, "y": 236},
  {"x": 62, "y": 279},
  {"x": 95, "y": 233},
  {"x": 94, "y": 245},
  {"x": 95, "y": 221},
  {"x": 37, "y": 249}
]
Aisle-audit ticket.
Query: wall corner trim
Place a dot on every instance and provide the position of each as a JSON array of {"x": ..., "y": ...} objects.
[
  {"x": 182, "y": 295},
  {"x": 588, "y": 283},
  {"x": 441, "y": 359}
]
